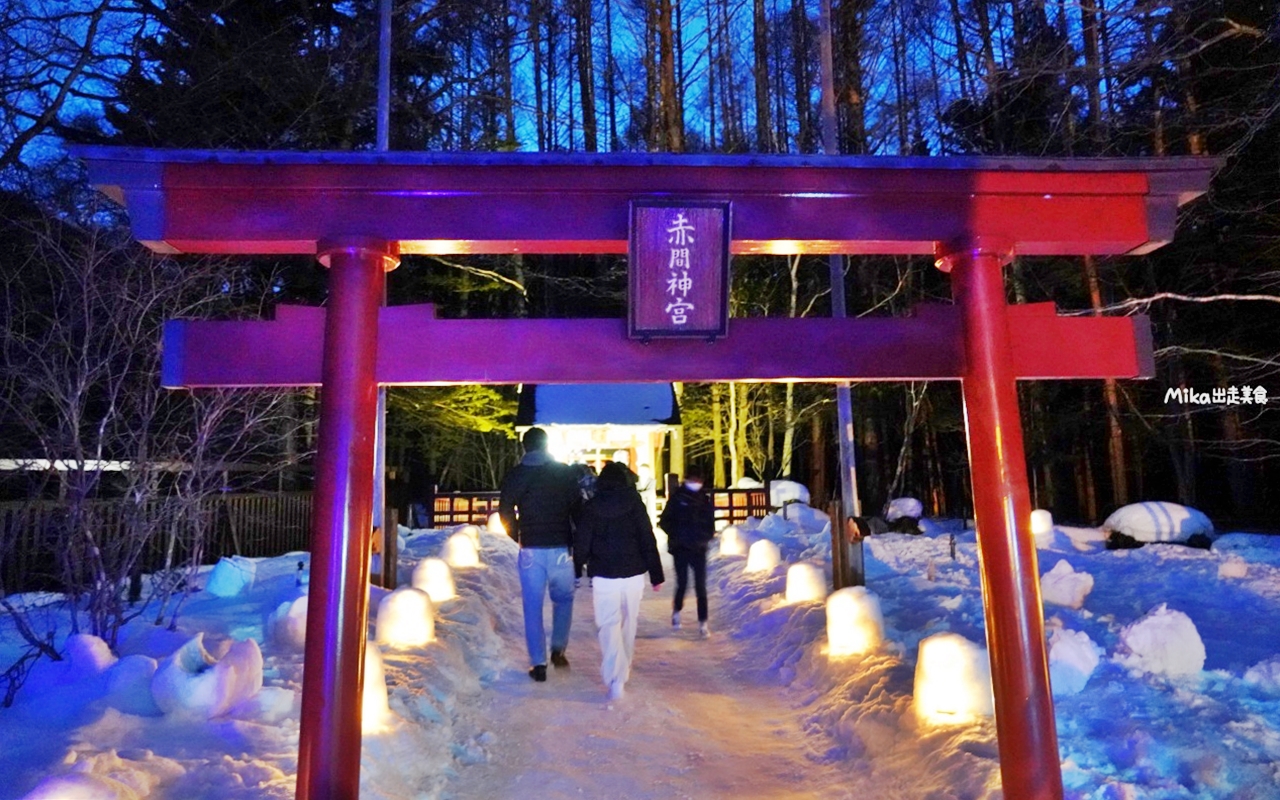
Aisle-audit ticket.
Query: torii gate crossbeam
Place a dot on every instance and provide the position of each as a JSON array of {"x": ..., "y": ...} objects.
[{"x": 358, "y": 211}]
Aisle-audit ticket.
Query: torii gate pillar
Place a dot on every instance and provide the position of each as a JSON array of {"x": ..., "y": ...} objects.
[
  {"x": 333, "y": 680},
  {"x": 1030, "y": 767}
]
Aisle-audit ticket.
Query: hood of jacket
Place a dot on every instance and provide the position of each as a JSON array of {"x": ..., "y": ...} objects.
[{"x": 612, "y": 501}]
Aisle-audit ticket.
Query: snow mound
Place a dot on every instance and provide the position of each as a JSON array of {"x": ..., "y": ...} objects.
[
  {"x": 904, "y": 507},
  {"x": 231, "y": 576},
  {"x": 810, "y": 519},
  {"x": 855, "y": 623},
  {"x": 748, "y": 483},
  {"x": 784, "y": 492},
  {"x": 81, "y": 786},
  {"x": 953, "y": 680},
  {"x": 1063, "y": 586},
  {"x": 733, "y": 542},
  {"x": 129, "y": 686},
  {"x": 191, "y": 684},
  {"x": 87, "y": 655},
  {"x": 1233, "y": 567},
  {"x": 805, "y": 583},
  {"x": 763, "y": 556},
  {"x": 1164, "y": 642},
  {"x": 1072, "y": 659},
  {"x": 287, "y": 625},
  {"x": 433, "y": 576},
  {"x": 405, "y": 619},
  {"x": 460, "y": 551},
  {"x": 1158, "y": 522}
]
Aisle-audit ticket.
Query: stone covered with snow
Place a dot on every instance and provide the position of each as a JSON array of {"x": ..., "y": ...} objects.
[
  {"x": 1164, "y": 642},
  {"x": 901, "y": 507},
  {"x": 231, "y": 576},
  {"x": 1063, "y": 586},
  {"x": 405, "y": 619},
  {"x": 129, "y": 686},
  {"x": 810, "y": 519},
  {"x": 1072, "y": 659},
  {"x": 1158, "y": 522},
  {"x": 190, "y": 683},
  {"x": 783, "y": 492},
  {"x": 953, "y": 680}
]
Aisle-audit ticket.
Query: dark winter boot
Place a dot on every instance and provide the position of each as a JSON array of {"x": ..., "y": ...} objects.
[
  {"x": 558, "y": 659},
  {"x": 539, "y": 673}
]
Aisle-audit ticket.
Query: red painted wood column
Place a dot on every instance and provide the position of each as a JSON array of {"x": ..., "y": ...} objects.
[
  {"x": 337, "y": 610},
  {"x": 1030, "y": 767}
]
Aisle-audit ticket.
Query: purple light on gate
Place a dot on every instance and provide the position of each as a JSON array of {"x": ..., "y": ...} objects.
[{"x": 679, "y": 269}]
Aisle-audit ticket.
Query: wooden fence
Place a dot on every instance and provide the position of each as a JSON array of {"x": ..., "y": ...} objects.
[
  {"x": 254, "y": 525},
  {"x": 461, "y": 508}
]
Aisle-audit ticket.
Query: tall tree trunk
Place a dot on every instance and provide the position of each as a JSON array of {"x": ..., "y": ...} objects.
[
  {"x": 801, "y": 76},
  {"x": 735, "y": 452},
  {"x": 818, "y": 460},
  {"x": 586, "y": 76},
  {"x": 671, "y": 121},
  {"x": 717, "y": 435},
  {"x": 1111, "y": 397},
  {"x": 847, "y": 31},
  {"x": 740, "y": 427},
  {"x": 1092, "y": 70},
  {"x": 535, "y": 44},
  {"x": 760, "y": 41},
  {"x": 611, "y": 86},
  {"x": 789, "y": 410},
  {"x": 711, "y": 76}
]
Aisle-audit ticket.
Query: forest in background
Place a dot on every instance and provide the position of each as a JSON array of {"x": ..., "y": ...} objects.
[{"x": 918, "y": 77}]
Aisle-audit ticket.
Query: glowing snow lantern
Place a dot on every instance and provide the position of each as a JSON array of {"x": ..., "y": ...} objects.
[
  {"x": 1042, "y": 527},
  {"x": 763, "y": 556},
  {"x": 375, "y": 715},
  {"x": 494, "y": 525},
  {"x": 433, "y": 576},
  {"x": 855, "y": 624},
  {"x": 460, "y": 551},
  {"x": 733, "y": 542},
  {"x": 405, "y": 619},
  {"x": 473, "y": 531},
  {"x": 953, "y": 680},
  {"x": 805, "y": 583}
]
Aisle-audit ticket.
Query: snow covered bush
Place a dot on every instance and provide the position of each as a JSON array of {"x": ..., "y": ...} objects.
[
  {"x": 405, "y": 619},
  {"x": 784, "y": 492},
  {"x": 904, "y": 507},
  {"x": 231, "y": 576},
  {"x": 855, "y": 624},
  {"x": 763, "y": 556},
  {"x": 460, "y": 551},
  {"x": 953, "y": 680},
  {"x": 1158, "y": 522},
  {"x": 1063, "y": 586},
  {"x": 805, "y": 583},
  {"x": 191, "y": 683},
  {"x": 1164, "y": 642},
  {"x": 433, "y": 576},
  {"x": 1072, "y": 659}
]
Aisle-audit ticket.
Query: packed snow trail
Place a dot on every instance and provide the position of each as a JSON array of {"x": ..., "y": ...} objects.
[{"x": 690, "y": 725}]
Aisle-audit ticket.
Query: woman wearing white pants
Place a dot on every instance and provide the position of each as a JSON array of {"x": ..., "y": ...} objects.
[{"x": 614, "y": 541}]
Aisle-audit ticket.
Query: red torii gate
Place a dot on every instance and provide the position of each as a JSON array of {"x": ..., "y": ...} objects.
[{"x": 357, "y": 212}]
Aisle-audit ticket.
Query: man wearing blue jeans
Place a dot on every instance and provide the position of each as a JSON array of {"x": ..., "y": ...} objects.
[{"x": 539, "y": 505}]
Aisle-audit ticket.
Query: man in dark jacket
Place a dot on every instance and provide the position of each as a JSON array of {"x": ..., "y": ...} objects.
[
  {"x": 615, "y": 542},
  {"x": 540, "y": 500},
  {"x": 690, "y": 523}
]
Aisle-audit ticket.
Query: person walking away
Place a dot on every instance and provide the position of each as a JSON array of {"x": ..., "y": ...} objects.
[
  {"x": 615, "y": 542},
  {"x": 538, "y": 504},
  {"x": 689, "y": 520}
]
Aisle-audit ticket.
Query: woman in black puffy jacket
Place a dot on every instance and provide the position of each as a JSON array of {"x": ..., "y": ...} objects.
[{"x": 614, "y": 541}]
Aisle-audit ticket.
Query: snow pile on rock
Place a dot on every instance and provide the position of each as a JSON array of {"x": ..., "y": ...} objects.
[
  {"x": 1158, "y": 522},
  {"x": 1164, "y": 642},
  {"x": 901, "y": 507},
  {"x": 806, "y": 583},
  {"x": 1073, "y": 657},
  {"x": 807, "y": 517},
  {"x": 1063, "y": 586},
  {"x": 460, "y": 551},
  {"x": 129, "y": 686},
  {"x": 191, "y": 683},
  {"x": 231, "y": 576},
  {"x": 855, "y": 624},
  {"x": 433, "y": 576},
  {"x": 783, "y": 492},
  {"x": 763, "y": 556},
  {"x": 287, "y": 625},
  {"x": 953, "y": 680},
  {"x": 88, "y": 655},
  {"x": 405, "y": 619}
]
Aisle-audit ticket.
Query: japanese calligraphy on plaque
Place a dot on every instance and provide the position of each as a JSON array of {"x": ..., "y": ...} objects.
[{"x": 679, "y": 269}]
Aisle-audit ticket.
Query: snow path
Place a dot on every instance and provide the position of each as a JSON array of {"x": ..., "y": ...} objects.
[{"x": 691, "y": 725}]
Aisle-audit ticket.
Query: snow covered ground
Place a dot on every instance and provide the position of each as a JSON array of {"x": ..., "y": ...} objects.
[{"x": 759, "y": 710}]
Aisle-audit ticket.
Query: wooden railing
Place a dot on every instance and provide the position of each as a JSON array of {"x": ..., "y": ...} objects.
[
  {"x": 460, "y": 508},
  {"x": 735, "y": 505},
  {"x": 254, "y": 525}
]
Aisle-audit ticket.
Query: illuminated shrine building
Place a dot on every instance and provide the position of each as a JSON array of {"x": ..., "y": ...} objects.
[{"x": 635, "y": 423}]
